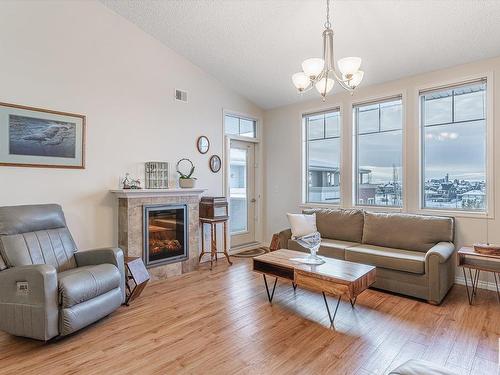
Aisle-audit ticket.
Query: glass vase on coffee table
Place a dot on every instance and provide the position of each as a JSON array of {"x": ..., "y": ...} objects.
[{"x": 311, "y": 242}]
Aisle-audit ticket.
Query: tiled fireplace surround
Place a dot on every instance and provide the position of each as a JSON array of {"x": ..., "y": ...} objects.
[{"x": 130, "y": 225}]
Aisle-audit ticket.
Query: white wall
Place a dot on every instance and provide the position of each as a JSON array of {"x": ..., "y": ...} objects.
[
  {"x": 283, "y": 175},
  {"x": 82, "y": 58}
]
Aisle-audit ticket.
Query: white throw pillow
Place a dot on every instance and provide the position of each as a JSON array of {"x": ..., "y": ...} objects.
[{"x": 302, "y": 225}]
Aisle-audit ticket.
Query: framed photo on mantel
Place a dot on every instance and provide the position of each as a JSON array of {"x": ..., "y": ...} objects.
[{"x": 34, "y": 137}]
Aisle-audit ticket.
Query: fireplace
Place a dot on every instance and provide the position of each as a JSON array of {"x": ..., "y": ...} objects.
[{"x": 165, "y": 234}]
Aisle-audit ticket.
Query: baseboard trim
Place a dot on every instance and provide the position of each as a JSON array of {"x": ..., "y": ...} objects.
[
  {"x": 245, "y": 247},
  {"x": 488, "y": 285}
]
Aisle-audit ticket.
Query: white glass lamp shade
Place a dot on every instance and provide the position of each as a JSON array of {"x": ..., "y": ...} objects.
[
  {"x": 356, "y": 79},
  {"x": 300, "y": 81},
  {"x": 320, "y": 85},
  {"x": 313, "y": 67},
  {"x": 349, "y": 65}
]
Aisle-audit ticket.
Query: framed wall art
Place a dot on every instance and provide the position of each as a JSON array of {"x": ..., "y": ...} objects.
[
  {"x": 202, "y": 144},
  {"x": 34, "y": 137},
  {"x": 215, "y": 163}
]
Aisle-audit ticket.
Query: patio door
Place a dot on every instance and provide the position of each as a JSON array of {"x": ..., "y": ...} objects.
[{"x": 242, "y": 192}]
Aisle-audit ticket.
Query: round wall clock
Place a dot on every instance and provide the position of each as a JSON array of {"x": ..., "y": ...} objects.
[
  {"x": 203, "y": 144},
  {"x": 215, "y": 163}
]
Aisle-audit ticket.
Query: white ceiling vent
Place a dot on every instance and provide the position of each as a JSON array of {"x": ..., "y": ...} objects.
[{"x": 181, "y": 96}]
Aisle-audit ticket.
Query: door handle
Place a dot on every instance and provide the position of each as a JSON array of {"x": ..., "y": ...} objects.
[{"x": 253, "y": 200}]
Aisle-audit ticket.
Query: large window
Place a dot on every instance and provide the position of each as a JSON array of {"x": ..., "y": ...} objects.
[
  {"x": 454, "y": 147},
  {"x": 241, "y": 126},
  {"x": 322, "y": 146},
  {"x": 378, "y": 145}
]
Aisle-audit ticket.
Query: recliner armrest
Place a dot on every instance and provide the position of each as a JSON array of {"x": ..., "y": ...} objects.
[
  {"x": 443, "y": 250},
  {"x": 111, "y": 255},
  {"x": 38, "y": 302}
]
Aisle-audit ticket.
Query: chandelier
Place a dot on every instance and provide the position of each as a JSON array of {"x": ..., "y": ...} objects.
[{"x": 320, "y": 72}]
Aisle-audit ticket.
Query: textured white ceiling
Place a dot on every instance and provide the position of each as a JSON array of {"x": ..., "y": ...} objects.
[{"x": 254, "y": 46}]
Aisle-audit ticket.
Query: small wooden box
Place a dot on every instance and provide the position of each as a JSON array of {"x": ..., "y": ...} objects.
[{"x": 213, "y": 208}]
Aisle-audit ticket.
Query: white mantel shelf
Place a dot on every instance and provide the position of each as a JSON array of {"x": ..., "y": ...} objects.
[{"x": 148, "y": 193}]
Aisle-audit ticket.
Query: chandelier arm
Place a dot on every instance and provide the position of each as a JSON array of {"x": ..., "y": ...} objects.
[
  {"x": 343, "y": 83},
  {"x": 309, "y": 87}
]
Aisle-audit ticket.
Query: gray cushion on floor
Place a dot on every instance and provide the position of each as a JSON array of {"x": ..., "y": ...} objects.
[{"x": 419, "y": 367}]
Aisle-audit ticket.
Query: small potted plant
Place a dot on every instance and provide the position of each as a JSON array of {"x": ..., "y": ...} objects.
[{"x": 185, "y": 168}]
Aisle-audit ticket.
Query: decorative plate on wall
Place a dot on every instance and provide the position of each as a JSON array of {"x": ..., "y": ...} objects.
[
  {"x": 215, "y": 163},
  {"x": 203, "y": 144}
]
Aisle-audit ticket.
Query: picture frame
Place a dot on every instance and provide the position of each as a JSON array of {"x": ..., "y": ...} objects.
[
  {"x": 203, "y": 144},
  {"x": 215, "y": 163},
  {"x": 41, "y": 138}
]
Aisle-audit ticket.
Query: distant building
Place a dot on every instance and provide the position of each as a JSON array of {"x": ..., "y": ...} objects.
[
  {"x": 367, "y": 191},
  {"x": 455, "y": 194},
  {"x": 324, "y": 183},
  {"x": 474, "y": 199}
]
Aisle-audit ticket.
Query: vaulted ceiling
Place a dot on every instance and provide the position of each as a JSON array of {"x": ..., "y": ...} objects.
[{"x": 254, "y": 46}]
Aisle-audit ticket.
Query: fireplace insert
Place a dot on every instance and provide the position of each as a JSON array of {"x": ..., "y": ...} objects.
[{"x": 165, "y": 234}]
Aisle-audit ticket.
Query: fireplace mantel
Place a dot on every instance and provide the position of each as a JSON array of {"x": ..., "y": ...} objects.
[{"x": 153, "y": 193}]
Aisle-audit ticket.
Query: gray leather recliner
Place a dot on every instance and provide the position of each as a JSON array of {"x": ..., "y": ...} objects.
[{"x": 47, "y": 287}]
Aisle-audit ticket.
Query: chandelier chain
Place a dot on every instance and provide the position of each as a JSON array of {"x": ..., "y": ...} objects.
[{"x": 327, "y": 23}]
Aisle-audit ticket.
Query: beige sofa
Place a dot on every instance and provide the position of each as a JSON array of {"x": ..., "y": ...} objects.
[{"x": 413, "y": 253}]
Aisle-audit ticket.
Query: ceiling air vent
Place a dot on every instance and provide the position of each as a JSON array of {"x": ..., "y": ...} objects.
[{"x": 181, "y": 96}]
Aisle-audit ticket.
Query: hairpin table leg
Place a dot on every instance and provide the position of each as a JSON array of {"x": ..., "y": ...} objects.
[
  {"x": 353, "y": 301},
  {"x": 469, "y": 296},
  {"x": 496, "y": 284},
  {"x": 270, "y": 296},
  {"x": 328, "y": 309}
]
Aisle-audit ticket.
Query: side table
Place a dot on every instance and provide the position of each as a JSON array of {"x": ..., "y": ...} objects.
[
  {"x": 475, "y": 263},
  {"x": 213, "y": 237},
  {"x": 137, "y": 275}
]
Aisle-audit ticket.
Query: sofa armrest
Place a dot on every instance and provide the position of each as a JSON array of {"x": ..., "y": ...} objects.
[
  {"x": 442, "y": 251},
  {"x": 111, "y": 255},
  {"x": 440, "y": 268},
  {"x": 33, "y": 312},
  {"x": 284, "y": 236}
]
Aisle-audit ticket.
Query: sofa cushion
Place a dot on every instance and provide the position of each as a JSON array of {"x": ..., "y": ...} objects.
[
  {"x": 329, "y": 248},
  {"x": 395, "y": 259},
  {"x": 339, "y": 224},
  {"x": 84, "y": 283},
  {"x": 405, "y": 231}
]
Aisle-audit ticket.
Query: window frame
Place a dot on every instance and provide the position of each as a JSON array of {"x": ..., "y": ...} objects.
[
  {"x": 305, "y": 156},
  {"x": 489, "y": 156},
  {"x": 240, "y": 116},
  {"x": 355, "y": 151}
]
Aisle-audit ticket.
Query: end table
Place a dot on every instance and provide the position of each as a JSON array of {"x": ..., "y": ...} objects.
[
  {"x": 477, "y": 262},
  {"x": 213, "y": 232},
  {"x": 137, "y": 275}
]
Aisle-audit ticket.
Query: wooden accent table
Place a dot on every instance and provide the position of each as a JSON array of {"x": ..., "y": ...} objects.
[
  {"x": 138, "y": 275},
  {"x": 468, "y": 258},
  {"x": 213, "y": 237},
  {"x": 334, "y": 277}
]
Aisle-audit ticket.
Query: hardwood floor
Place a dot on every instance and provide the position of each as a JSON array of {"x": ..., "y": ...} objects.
[{"x": 220, "y": 322}]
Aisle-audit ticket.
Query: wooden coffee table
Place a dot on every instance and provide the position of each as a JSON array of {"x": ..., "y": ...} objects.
[{"x": 334, "y": 277}]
